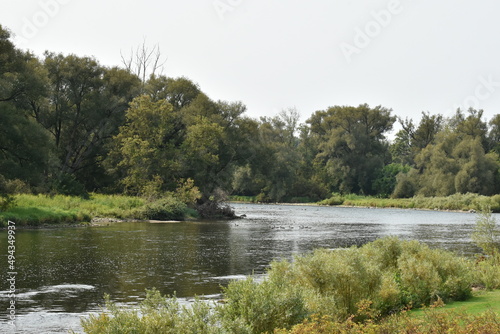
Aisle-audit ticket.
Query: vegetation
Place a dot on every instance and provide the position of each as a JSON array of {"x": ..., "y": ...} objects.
[
  {"x": 434, "y": 322},
  {"x": 355, "y": 290},
  {"x": 37, "y": 210},
  {"x": 72, "y": 126},
  {"x": 456, "y": 202}
]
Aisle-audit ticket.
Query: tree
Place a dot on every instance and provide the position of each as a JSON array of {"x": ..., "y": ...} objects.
[
  {"x": 145, "y": 155},
  {"x": 410, "y": 140},
  {"x": 25, "y": 147},
  {"x": 273, "y": 173},
  {"x": 352, "y": 145},
  {"x": 494, "y": 134},
  {"x": 144, "y": 63},
  {"x": 471, "y": 125},
  {"x": 85, "y": 106},
  {"x": 477, "y": 170}
]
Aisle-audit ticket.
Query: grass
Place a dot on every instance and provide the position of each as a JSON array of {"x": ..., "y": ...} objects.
[
  {"x": 456, "y": 202},
  {"x": 481, "y": 302},
  {"x": 37, "y": 210}
]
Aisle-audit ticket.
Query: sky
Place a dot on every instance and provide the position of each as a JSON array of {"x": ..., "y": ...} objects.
[{"x": 406, "y": 55}]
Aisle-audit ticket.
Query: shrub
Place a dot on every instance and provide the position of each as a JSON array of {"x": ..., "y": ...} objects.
[
  {"x": 486, "y": 235},
  {"x": 336, "y": 199},
  {"x": 166, "y": 208},
  {"x": 487, "y": 272},
  {"x": 347, "y": 289},
  {"x": 262, "y": 307},
  {"x": 156, "y": 314},
  {"x": 434, "y": 321},
  {"x": 338, "y": 280}
]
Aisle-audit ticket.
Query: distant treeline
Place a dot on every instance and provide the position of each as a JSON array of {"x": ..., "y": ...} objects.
[{"x": 69, "y": 125}]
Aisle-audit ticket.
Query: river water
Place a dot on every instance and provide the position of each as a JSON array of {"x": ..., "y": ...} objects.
[{"x": 63, "y": 273}]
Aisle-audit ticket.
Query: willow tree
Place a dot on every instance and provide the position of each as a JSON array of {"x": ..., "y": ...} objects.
[{"x": 352, "y": 145}]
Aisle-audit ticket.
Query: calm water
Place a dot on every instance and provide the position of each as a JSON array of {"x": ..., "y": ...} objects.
[{"x": 64, "y": 273}]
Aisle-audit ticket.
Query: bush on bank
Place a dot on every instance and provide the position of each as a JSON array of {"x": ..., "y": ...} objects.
[{"x": 347, "y": 287}]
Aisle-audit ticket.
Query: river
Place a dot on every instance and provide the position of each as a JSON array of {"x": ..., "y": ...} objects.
[{"x": 63, "y": 273}]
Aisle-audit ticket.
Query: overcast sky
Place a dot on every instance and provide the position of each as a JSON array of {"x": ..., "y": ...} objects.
[{"x": 410, "y": 56}]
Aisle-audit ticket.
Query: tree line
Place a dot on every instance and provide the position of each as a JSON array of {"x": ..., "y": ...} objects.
[{"x": 70, "y": 125}]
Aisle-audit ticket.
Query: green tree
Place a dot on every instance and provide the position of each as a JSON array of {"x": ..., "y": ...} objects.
[
  {"x": 145, "y": 155},
  {"x": 457, "y": 161},
  {"x": 274, "y": 172},
  {"x": 25, "y": 147},
  {"x": 386, "y": 179},
  {"x": 352, "y": 145},
  {"x": 85, "y": 106},
  {"x": 494, "y": 134},
  {"x": 410, "y": 140}
]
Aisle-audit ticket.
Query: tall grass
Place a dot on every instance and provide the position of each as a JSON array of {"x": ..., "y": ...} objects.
[
  {"x": 35, "y": 210},
  {"x": 459, "y": 202}
]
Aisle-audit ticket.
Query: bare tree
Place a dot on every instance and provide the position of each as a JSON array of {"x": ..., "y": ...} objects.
[{"x": 144, "y": 61}]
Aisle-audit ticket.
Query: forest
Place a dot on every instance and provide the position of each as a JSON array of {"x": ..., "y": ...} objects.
[{"x": 71, "y": 126}]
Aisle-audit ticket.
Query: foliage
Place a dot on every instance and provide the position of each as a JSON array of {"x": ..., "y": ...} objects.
[
  {"x": 486, "y": 234},
  {"x": 216, "y": 207},
  {"x": 37, "y": 210},
  {"x": 187, "y": 192},
  {"x": 336, "y": 199},
  {"x": 351, "y": 145},
  {"x": 487, "y": 273},
  {"x": 386, "y": 180},
  {"x": 353, "y": 290},
  {"x": 261, "y": 307},
  {"x": 456, "y": 202},
  {"x": 435, "y": 321},
  {"x": 165, "y": 208},
  {"x": 156, "y": 314},
  {"x": 73, "y": 126},
  {"x": 7, "y": 201}
]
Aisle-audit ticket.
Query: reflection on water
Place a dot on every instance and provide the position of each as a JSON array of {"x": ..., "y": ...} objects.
[{"x": 64, "y": 273}]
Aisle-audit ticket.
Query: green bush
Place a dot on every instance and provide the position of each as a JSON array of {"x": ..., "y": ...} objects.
[
  {"x": 353, "y": 288},
  {"x": 486, "y": 235},
  {"x": 390, "y": 273},
  {"x": 262, "y": 307},
  {"x": 166, "y": 208},
  {"x": 487, "y": 272},
  {"x": 156, "y": 314},
  {"x": 336, "y": 199}
]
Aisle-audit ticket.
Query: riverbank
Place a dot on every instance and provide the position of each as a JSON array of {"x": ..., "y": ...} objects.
[
  {"x": 42, "y": 210},
  {"x": 457, "y": 202}
]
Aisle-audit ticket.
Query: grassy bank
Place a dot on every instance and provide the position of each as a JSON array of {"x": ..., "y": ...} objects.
[
  {"x": 482, "y": 301},
  {"x": 459, "y": 202},
  {"x": 38, "y": 210}
]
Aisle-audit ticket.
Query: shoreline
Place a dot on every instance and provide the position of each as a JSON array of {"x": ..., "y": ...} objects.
[{"x": 356, "y": 206}]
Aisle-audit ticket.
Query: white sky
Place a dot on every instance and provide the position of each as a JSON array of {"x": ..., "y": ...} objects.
[{"x": 270, "y": 54}]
